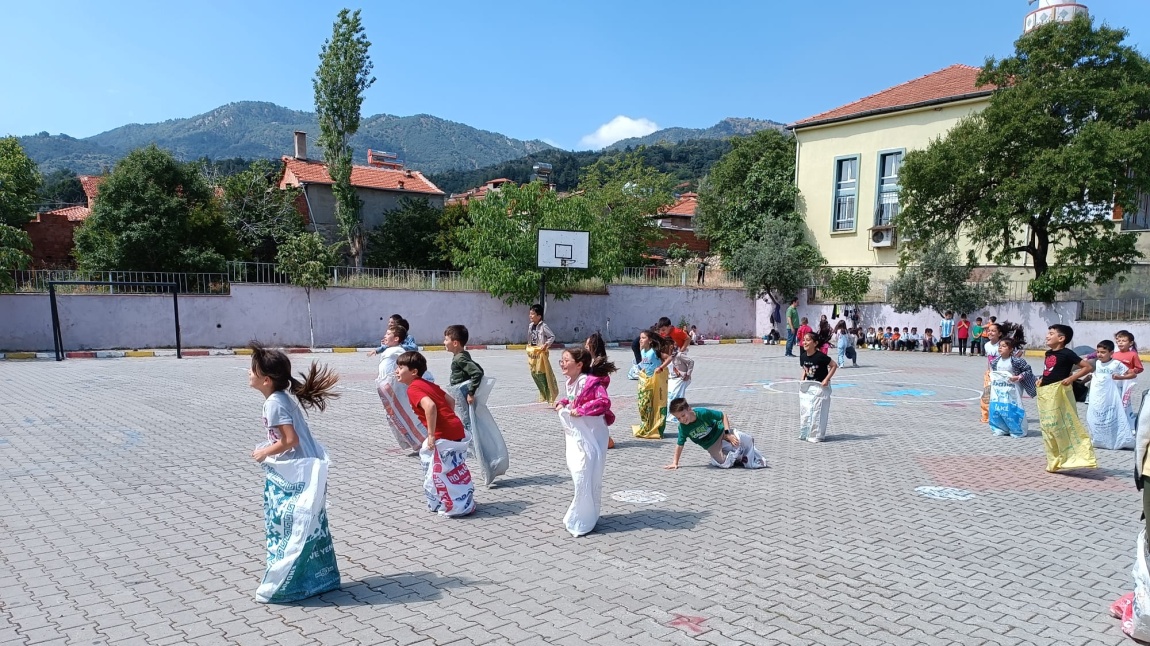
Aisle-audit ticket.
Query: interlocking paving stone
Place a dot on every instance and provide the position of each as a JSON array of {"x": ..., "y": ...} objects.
[{"x": 131, "y": 513}]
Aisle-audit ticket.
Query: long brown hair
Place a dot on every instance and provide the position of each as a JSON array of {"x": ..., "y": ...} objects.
[
  {"x": 601, "y": 366},
  {"x": 313, "y": 392}
]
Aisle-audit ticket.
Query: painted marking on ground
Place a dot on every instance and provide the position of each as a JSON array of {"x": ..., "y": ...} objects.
[
  {"x": 688, "y": 623},
  {"x": 944, "y": 493},
  {"x": 639, "y": 496}
]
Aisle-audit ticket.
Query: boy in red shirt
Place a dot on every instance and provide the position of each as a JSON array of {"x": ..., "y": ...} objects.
[{"x": 447, "y": 480}]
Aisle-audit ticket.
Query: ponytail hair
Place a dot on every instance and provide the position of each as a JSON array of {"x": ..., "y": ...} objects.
[
  {"x": 1012, "y": 332},
  {"x": 313, "y": 392},
  {"x": 601, "y": 366}
]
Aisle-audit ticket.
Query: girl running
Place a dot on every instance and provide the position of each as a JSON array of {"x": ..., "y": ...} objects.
[{"x": 295, "y": 485}]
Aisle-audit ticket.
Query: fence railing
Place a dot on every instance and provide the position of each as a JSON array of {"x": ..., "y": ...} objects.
[
  {"x": 187, "y": 283},
  {"x": 684, "y": 276},
  {"x": 1116, "y": 309}
]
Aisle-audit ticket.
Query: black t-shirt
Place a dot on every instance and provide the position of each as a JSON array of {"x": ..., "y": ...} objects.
[
  {"x": 1059, "y": 365},
  {"x": 815, "y": 366}
]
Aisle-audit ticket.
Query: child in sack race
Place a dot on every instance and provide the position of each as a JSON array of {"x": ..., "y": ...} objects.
[
  {"x": 711, "y": 429},
  {"x": 1010, "y": 376},
  {"x": 585, "y": 413},
  {"x": 814, "y": 390},
  {"x": 447, "y": 481},
  {"x": 409, "y": 432},
  {"x": 295, "y": 487}
]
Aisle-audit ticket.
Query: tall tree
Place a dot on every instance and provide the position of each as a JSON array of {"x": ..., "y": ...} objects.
[
  {"x": 19, "y": 181},
  {"x": 777, "y": 264},
  {"x": 628, "y": 191},
  {"x": 500, "y": 249},
  {"x": 344, "y": 74},
  {"x": 1066, "y": 135},
  {"x": 262, "y": 215},
  {"x": 304, "y": 259},
  {"x": 154, "y": 214},
  {"x": 753, "y": 184}
]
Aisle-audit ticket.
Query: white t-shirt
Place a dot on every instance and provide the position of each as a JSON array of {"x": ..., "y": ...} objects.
[{"x": 280, "y": 409}]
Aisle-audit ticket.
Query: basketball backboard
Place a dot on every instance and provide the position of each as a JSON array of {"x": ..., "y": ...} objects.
[{"x": 558, "y": 248}]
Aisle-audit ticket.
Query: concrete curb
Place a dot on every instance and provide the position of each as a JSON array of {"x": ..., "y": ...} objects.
[{"x": 214, "y": 352}]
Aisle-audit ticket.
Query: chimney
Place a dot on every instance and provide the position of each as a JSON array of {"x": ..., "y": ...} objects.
[
  {"x": 407, "y": 173},
  {"x": 301, "y": 145},
  {"x": 401, "y": 185}
]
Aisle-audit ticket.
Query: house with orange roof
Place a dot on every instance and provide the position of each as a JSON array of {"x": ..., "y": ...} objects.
[
  {"x": 52, "y": 232},
  {"x": 677, "y": 225},
  {"x": 848, "y": 161},
  {"x": 479, "y": 192},
  {"x": 382, "y": 185}
]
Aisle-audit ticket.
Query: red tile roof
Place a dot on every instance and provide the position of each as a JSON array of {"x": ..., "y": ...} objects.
[
  {"x": 386, "y": 179},
  {"x": 946, "y": 85},
  {"x": 91, "y": 185},
  {"x": 71, "y": 213},
  {"x": 685, "y": 206}
]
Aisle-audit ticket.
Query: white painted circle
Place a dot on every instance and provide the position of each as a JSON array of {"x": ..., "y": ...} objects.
[
  {"x": 771, "y": 387},
  {"x": 639, "y": 496},
  {"x": 944, "y": 493}
]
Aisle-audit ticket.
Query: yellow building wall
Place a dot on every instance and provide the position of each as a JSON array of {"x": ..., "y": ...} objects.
[{"x": 820, "y": 146}]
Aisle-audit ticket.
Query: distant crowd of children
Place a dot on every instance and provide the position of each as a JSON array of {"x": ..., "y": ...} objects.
[{"x": 952, "y": 333}]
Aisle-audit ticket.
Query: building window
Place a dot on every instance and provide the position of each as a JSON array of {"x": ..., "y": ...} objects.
[
  {"x": 846, "y": 194},
  {"x": 887, "y": 207},
  {"x": 1138, "y": 220}
]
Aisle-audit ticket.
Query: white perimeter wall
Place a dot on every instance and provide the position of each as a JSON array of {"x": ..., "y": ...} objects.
[{"x": 277, "y": 315}]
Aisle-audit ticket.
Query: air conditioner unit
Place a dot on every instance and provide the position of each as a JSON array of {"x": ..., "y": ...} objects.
[{"x": 883, "y": 237}]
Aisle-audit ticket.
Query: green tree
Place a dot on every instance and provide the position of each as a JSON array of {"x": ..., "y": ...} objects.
[
  {"x": 454, "y": 219},
  {"x": 628, "y": 191},
  {"x": 19, "y": 181},
  {"x": 941, "y": 282},
  {"x": 262, "y": 215},
  {"x": 154, "y": 214},
  {"x": 778, "y": 264},
  {"x": 751, "y": 185},
  {"x": 14, "y": 247},
  {"x": 344, "y": 74},
  {"x": 1066, "y": 132},
  {"x": 407, "y": 238},
  {"x": 61, "y": 187},
  {"x": 848, "y": 285},
  {"x": 500, "y": 249},
  {"x": 305, "y": 258}
]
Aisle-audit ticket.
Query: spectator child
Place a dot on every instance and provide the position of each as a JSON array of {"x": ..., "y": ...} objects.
[
  {"x": 896, "y": 340},
  {"x": 887, "y": 336},
  {"x": 871, "y": 339},
  {"x": 804, "y": 328},
  {"x": 824, "y": 336},
  {"x": 911, "y": 339},
  {"x": 977, "y": 339},
  {"x": 841, "y": 341},
  {"x": 962, "y": 330},
  {"x": 945, "y": 332},
  {"x": 928, "y": 340}
]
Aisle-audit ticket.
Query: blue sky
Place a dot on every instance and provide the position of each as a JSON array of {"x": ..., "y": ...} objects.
[{"x": 557, "y": 71}]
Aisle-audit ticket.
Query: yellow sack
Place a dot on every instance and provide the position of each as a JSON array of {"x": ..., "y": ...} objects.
[
  {"x": 1067, "y": 443},
  {"x": 652, "y": 406},
  {"x": 539, "y": 361}
]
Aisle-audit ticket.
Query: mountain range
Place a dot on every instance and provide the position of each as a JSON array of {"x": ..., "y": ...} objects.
[{"x": 261, "y": 130}]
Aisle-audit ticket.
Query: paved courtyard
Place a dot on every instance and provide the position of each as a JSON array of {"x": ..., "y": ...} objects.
[{"x": 130, "y": 513}]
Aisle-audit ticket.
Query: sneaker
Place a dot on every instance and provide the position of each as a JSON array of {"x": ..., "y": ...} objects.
[{"x": 814, "y": 440}]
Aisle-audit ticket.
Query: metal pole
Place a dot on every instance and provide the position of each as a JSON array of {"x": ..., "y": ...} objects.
[
  {"x": 176, "y": 311},
  {"x": 57, "y": 341},
  {"x": 543, "y": 292}
]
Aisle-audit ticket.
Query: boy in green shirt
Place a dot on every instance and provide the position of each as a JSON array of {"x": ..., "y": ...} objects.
[
  {"x": 463, "y": 367},
  {"x": 977, "y": 341},
  {"x": 704, "y": 426}
]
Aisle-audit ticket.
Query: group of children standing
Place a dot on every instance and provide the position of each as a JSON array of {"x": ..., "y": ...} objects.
[{"x": 960, "y": 333}]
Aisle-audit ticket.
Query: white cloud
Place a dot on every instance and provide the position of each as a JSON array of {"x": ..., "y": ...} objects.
[{"x": 620, "y": 127}]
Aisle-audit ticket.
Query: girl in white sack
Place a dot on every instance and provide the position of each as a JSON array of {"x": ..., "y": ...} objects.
[
  {"x": 1010, "y": 376},
  {"x": 585, "y": 414},
  {"x": 1106, "y": 416},
  {"x": 814, "y": 389},
  {"x": 301, "y": 558}
]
